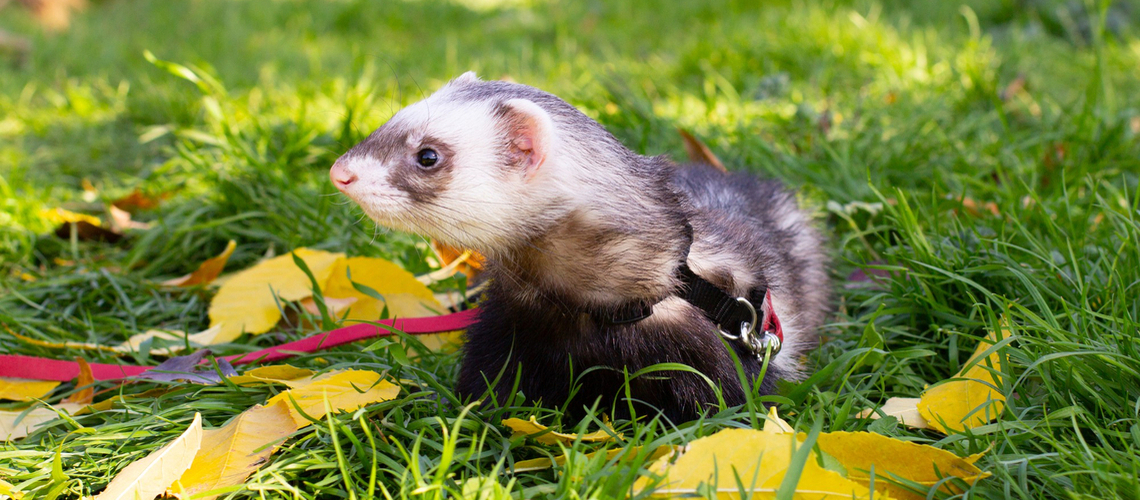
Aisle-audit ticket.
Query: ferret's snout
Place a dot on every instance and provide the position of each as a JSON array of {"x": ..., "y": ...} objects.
[{"x": 340, "y": 176}]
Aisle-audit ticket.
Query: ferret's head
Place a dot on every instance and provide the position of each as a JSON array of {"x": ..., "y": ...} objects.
[{"x": 478, "y": 164}]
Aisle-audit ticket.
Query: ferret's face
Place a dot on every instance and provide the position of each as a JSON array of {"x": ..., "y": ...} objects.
[{"x": 454, "y": 169}]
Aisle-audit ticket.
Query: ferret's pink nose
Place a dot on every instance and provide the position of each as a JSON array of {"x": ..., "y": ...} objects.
[{"x": 340, "y": 176}]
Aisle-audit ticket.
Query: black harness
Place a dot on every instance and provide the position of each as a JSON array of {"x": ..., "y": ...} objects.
[{"x": 736, "y": 317}]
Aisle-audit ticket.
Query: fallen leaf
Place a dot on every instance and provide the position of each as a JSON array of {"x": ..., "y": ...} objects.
[
  {"x": 334, "y": 305},
  {"x": 484, "y": 488},
  {"x": 22, "y": 389},
  {"x": 904, "y": 409},
  {"x": 247, "y": 302},
  {"x": 10, "y": 490},
  {"x": 200, "y": 339},
  {"x": 87, "y": 395},
  {"x": 15, "y": 424},
  {"x": 403, "y": 294},
  {"x": 147, "y": 478},
  {"x": 969, "y": 399},
  {"x": 757, "y": 459},
  {"x": 137, "y": 200},
  {"x": 121, "y": 220},
  {"x": 86, "y": 227},
  {"x": 344, "y": 390},
  {"x": 187, "y": 368},
  {"x": 544, "y": 435},
  {"x": 698, "y": 152},
  {"x": 453, "y": 260},
  {"x": 207, "y": 272},
  {"x": 975, "y": 208},
  {"x": 282, "y": 374},
  {"x": 115, "y": 401},
  {"x": 546, "y": 463},
  {"x": 859, "y": 452},
  {"x": 231, "y": 453}
]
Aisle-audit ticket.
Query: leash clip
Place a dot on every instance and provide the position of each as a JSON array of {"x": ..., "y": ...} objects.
[{"x": 757, "y": 344}]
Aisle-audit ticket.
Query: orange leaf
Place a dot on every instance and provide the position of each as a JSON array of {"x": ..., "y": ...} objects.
[
  {"x": 207, "y": 271},
  {"x": 87, "y": 395},
  {"x": 698, "y": 152}
]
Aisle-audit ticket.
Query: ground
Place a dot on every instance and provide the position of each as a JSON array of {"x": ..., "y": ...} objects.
[{"x": 980, "y": 159}]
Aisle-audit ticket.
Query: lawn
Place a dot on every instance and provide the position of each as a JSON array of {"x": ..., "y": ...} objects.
[{"x": 980, "y": 160}]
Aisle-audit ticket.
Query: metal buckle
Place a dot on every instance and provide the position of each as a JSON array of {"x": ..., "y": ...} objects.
[{"x": 758, "y": 344}]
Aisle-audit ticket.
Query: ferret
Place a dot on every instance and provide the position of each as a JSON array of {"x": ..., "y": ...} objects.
[{"x": 579, "y": 231}]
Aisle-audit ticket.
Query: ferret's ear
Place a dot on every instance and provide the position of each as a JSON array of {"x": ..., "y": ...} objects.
[
  {"x": 530, "y": 132},
  {"x": 466, "y": 78}
]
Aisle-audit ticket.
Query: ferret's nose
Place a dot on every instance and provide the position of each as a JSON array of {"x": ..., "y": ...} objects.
[{"x": 340, "y": 176}]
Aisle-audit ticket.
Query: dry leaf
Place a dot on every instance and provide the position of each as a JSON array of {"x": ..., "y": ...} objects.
[
  {"x": 282, "y": 374},
  {"x": 404, "y": 295},
  {"x": 546, "y": 463},
  {"x": 532, "y": 427},
  {"x": 904, "y": 409},
  {"x": 231, "y": 453},
  {"x": 760, "y": 459},
  {"x": 85, "y": 378},
  {"x": 926, "y": 465},
  {"x": 200, "y": 339},
  {"x": 22, "y": 389},
  {"x": 10, "y": 490},
  {"x": 453, "y": 260},
  {"x": 247, "y": 302},
  {"x": 147, "y": 478},
  {"x": 138, "y": 201},
  {"x": 207, "y": 272},
  {"x": 344, "y": 390},
  {"x": 334, "y": 305},
  {"x": 115, "y": 401},
  {"x": 121, "y": 220},
  {"x": 15, "y": 424},
  {"x": 976, "y": 208},
  {"x": 698, "y": 152},
  {"x": 971, "y": 401},
  {"x": 87, "y": 227}
]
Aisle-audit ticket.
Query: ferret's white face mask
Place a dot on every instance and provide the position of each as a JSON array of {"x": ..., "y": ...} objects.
[{"x": 469, "y": 173}]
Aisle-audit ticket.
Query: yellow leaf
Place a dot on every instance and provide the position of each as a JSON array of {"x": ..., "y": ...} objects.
[
  {"x": 59, "y": 216},
  {"x": 111, "y": 402},
  {"x": 971, "y": 400},
  {"x": 202, "y": 338},
  {"x": 15, "y": 424},
  {"x": 546, "y": 463},
  {"x": 284, "y": 374},
  {"x": 22, "y": 389},
  {"x": 532, "y": 427},
  {"x": 403, "y": 294},
  {"x": 484, "y": 488},
  {"x": 904, "y": 409},
  {"x": 231, "y": 453},
  {"x": 926, "y": 465},
  {"x": 208, "y": 271},
  {"x": 10, "y": 490},
  {"x": 345, "y": 391},
  {"x": 247, "y": 302},
  {"x": 759, "y": 459},
  {"x": 147, "y": 478},
  {"x": 776, "y": 425}
]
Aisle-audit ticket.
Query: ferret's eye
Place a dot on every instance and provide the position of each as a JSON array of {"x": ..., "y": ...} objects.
[{"x": 427, "y": 157}]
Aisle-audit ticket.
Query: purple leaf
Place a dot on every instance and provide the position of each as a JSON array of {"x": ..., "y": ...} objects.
[{"x": 183, "y": 368}]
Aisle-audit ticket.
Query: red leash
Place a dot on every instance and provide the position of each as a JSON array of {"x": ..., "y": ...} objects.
[{"x": 37, "y": 368}]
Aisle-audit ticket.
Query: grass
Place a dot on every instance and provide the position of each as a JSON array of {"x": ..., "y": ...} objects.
[{"x": 884, "y": 116}]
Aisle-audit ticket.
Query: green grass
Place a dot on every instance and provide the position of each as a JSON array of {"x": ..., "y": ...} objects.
[{"x": 884, "y": 115}]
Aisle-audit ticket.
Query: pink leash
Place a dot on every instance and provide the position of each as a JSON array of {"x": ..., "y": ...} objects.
[{"x": 37, "y": 368}]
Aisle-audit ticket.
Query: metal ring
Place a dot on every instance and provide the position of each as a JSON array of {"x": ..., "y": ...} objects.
[{"x": 751, "y": 324}]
